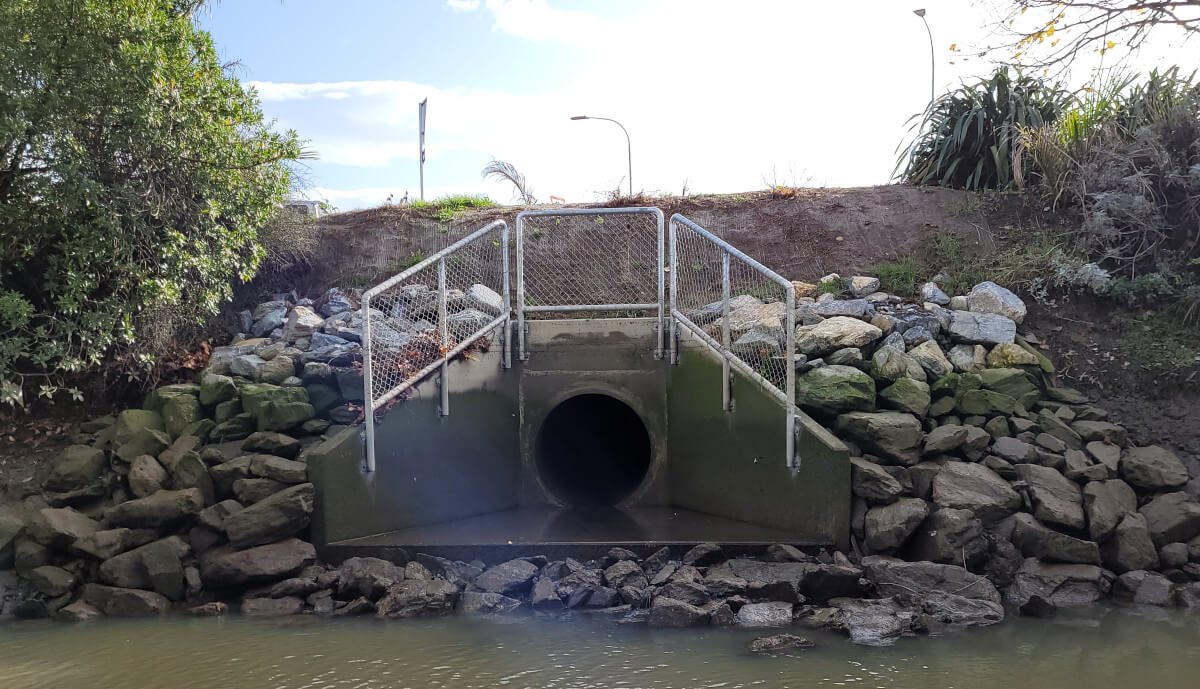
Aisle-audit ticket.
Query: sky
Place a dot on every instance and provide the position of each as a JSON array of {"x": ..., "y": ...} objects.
[{"x": 717, "y": 96}]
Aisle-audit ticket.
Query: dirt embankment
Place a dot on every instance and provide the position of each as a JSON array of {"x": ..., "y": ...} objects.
[{"x": 801, "y": 234}]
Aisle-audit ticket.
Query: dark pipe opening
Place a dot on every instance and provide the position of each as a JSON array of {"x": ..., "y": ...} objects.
[{"x": 592, "y": 451}]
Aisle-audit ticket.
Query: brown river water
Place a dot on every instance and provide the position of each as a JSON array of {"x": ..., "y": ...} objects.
[{"x": 1100, "y": 648}]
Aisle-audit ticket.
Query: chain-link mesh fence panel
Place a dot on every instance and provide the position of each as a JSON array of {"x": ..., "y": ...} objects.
[
  {"x": 430, "y": 312},
  {"x": 744, "y": 311},
  {"x": 581, "y": 260}
]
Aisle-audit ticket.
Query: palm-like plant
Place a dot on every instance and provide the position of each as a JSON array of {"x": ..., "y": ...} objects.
[
  {"x": 504, "y": 170},
  {"x": 966, "y": 138}
]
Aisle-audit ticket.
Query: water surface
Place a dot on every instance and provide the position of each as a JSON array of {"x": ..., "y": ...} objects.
[{"x": 1099, "y": 649}]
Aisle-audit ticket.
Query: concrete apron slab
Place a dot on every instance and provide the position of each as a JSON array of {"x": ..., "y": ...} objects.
[{"x": 483, "y": 478}]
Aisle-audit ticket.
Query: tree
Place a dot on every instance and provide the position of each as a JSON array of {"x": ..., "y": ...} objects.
[
  {"x": 134, "y": 175},
  {"x": 1049, "y": 34},
  {"x": 503, "y": 170}
]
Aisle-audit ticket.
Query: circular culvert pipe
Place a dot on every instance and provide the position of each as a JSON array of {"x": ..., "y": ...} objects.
[{"x": 592, "y": 450}]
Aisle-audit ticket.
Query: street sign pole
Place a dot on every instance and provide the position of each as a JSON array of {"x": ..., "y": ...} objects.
[{"x": 422, "y": 151}]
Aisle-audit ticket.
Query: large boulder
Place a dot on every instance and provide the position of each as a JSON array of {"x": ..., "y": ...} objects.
[
  {"x": 278, "y": 469},
  {"x": 273, "y": 444},
  {"x": 121, "y": 602},
  {"x": 1152, "y": 468},
  {"x": 146, "y": 476},
  {"x": 890, "y": 434},
  {"x": 179, "y": 412},
  {"x": 162, "y": 508},
  {"x": 874, "y": 621},
  {"x": 906, "y": 395},
  {"x": 897, "y": 577},
  {"x": 108, "y": 543},
  {"x": 1105, "y": 503},
  {"x": 988, "y": 297},
  {"x": 224, "y": 567},
  {"x": 132, "y": 421},
  {"x": 1035, "y": 540},
  {"x": 77, "y": 466},
  {"x": 1059, "y": 585},
  {"x": 668, "y": 612},
  {"x": 891, "y": 364},
  {"x": 711, "y": 312},
  {"x": 981, "y": 328},
  {"x": 835, "y": 333},
  {"x": 58, "y": 528},
  {"x": 1172, "y": 518},
  {"x": 975, "y": 487},
  {"x": 871, "y": 482},
  {"x": 836, "y": 389},
  {"x": 1056, "y": 499},
  {"x": 368, "y": 577},
  {"x": 301, "y": 323},
  {"x": 270, "y": 519},
  {"x": 888, "y": 527},
  {"x": 769, "y": 614},
  {"x": 128, "y": 569},
  {"x": 508, "y": 578},
  {"x": 949, "y": 536},
  {"x": 418, "y": 598},
  {"x": 1129, "y": 546},
  {"x": 931, "y": 358}
]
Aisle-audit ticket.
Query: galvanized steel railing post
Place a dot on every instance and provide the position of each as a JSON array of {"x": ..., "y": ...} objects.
[
  {"x": 507, "y": 355},
  {"x": 520, "y": 287},
  {"x": 790, "y": 383},
  {"x": 662, "y": 267},
  {"x": 368, "y": 380},
  {"x": 726, "y": 393},
  {"x": 444, "y": 339},
  {"x": 673, "y": 341}
]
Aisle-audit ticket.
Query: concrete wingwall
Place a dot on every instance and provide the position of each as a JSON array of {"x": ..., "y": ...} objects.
[
  {"x": 481, "y": 457},
  {"x": 732, "y": 463}
]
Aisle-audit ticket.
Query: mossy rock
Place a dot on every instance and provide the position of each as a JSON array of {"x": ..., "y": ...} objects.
[
  {"x": 215, "y": 389},
  {"x": 148, "y": 441},
  {"x": 234, "y": 428},
  {"x": 254, "y": 395},
  {"x": 907, "y": 395},
  {"x": 179, "y": 412},
  {"x": 158, "y": 396},
  {"x": 986, "y": 403},
  {"x": 281, "y": 416},
  {"x": 227, "y": 410},
  {"x": 835, "y": 389},
  {"x": 942, "y": 406},
  {"x": 132, "y": 421},
  {"x": 1009, "y": 381}
]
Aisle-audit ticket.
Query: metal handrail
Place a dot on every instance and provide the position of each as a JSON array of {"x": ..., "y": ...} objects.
[
  {"x": 786, "y": 396},
  {"x": 370, "y": 402}
]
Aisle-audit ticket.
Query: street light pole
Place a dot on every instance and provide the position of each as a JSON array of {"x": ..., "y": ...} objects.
[
  {"x": 921, "y": 13},
  {"x": 628, "y": 145}
]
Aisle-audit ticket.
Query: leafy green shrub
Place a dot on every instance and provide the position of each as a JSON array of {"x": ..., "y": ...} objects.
[
  {"x": 135, "y": 173},
  {"x": 966, "y": 138}
]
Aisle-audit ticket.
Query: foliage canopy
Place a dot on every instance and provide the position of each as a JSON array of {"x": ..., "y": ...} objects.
[{"x": 135, "y": 172}]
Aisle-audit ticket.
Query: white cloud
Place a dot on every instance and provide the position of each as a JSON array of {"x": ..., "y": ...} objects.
[
  {"x": 535, "y": 20},
  {"x": 798, "y": 93}
]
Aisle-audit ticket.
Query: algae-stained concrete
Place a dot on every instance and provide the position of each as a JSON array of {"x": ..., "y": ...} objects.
[
  {"x": 732, "y": 463},
  {"x": 429, "y": 468}
]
